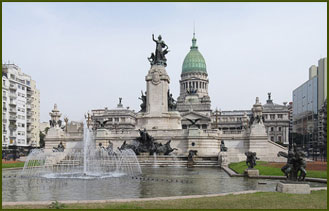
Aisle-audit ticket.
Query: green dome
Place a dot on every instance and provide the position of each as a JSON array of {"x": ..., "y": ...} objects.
[{"x": 194, "y": 61}]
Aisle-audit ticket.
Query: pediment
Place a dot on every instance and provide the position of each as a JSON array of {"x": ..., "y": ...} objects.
[{"x": 194, "y": 115}]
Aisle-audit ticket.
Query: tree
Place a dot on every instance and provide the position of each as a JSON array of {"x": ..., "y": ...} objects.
[{"x": 42, "y": 139}]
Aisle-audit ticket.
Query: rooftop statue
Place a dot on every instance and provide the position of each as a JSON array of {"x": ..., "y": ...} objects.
[
  {"x": 161, "y": 49},
  {"x": 102, "y": 124},
  {"x": 295, "y": 169}
]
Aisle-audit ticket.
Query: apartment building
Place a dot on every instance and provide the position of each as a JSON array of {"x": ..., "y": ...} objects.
[{"x": 20, "y": 108}]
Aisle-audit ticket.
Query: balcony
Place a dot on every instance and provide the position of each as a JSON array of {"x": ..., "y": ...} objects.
[
  {"x": 13, "y": 95},
  {"x": 12, "y": 118},
  {"x": 12, "y": 126},
  {"x": 13, "y": 87},
  {"x": 29, "y": 113},
  {"x": 12, "y": 103},
  {"x": 28, "y": 106},
  {"x": 12, "y": 135},
  {"x": 28, "y": 121},
  {"x": 29, "y": 129},
  {"x": 12, "y": 111}
]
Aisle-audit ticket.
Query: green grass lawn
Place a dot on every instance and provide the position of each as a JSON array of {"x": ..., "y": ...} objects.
[
  {"x": 272, "y": 171},
  {"x": 262, "y": 200},
  {"x": 13, "y": 165}
]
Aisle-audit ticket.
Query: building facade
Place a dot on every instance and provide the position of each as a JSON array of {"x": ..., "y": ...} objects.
[
  {"x": 119, "y": 119},
  {"x": 309, "y": 110},
  {"x": 22, "y": 108},
  {"x": 276, "y": 121}
]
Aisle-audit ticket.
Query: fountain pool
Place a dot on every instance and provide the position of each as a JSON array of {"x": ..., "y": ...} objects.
[{"x": 153, "y": 182}]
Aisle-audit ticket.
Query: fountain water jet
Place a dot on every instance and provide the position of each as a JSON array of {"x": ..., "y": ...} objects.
[{"x": 83, "y": 162}]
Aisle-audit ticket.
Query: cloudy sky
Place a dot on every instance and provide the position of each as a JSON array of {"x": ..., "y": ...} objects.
[{"x": 85, "y": 56}]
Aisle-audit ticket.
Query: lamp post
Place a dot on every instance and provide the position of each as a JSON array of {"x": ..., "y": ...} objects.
[{"x": 216, "y": 113}]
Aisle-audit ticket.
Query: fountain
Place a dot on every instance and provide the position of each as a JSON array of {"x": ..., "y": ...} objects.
[{"x": 84, "y": 162}]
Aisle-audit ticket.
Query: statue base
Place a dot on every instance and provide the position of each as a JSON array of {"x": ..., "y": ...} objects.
[
  {"x": 165, "y": 121},
  {"x": 251, "y": 172},
  {"x": 223, "y": 159},
  {"x": 190, "y": 164},
  {"x": 293, "y": 187}
]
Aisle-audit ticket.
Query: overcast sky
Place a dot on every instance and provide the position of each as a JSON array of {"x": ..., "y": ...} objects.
[{"x": 85, "y": 56}]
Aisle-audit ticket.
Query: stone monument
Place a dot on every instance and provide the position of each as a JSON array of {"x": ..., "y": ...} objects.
[
  {"x": 155, "y": 113},
  {"x": 55, "y": 134}
]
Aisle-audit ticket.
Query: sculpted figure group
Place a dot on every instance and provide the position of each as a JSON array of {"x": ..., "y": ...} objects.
[
  {"x": 53, "y": 123},
  {"x": 60, "y": 148},
  {"x": 251, "y": 159},
  {"x": 161, "y": 49},
  {"x": 146, "y": 143},
  {"x": 295, "y": 169}
]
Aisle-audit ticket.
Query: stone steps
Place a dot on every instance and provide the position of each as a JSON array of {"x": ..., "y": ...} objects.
[{"x": 150, "y": 163}]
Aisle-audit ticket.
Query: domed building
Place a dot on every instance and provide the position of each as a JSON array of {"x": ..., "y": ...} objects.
[{"x": 194, "y": 101}]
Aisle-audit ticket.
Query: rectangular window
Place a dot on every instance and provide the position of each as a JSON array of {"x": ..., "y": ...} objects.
[
  {"x": 279, "y": 128},
  {"x": 279, "y": 139},
  {"x": 280, "y": 116},
  {"x": 272, "y": 128},
  {"x": 116, "y": 119},
  {"x": 272, "y": 138}
]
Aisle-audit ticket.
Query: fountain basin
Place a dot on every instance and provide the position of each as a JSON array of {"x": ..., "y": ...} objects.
[{"x": 153, "y": 182}]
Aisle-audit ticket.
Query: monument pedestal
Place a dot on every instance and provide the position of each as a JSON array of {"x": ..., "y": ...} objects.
[
  {"x": 293, "y": 187},
  {"x": 157, "y": 114},
  {"x": 251, "y": 172},
  {"x": 170, "y": 120}
]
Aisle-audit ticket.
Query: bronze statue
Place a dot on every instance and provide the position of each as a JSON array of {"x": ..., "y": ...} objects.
[
  {"x": 172, "y": 105},
  {"x": 223, "y": 148},
  {"x": 60, "y": 148},
  {"x": 159, "y": 57},
  {"x": 190, "y": 158},
  {"x": 295, "y": 169},
  {"x": 101, "y": 124},
  {"x": 164, "y": 149},
  {"x": 143, "y": 99},
  {"x": 251, "y": 159},
  {"x": 193, "y": 122},
  {"x": 146, "y": 143}
]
